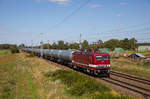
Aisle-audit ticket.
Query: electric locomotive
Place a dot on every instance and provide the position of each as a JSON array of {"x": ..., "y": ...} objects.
[{"x": 93, "y": 63}]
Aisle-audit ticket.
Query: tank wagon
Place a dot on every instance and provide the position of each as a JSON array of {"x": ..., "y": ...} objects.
[{"x": 93, "y": 63}]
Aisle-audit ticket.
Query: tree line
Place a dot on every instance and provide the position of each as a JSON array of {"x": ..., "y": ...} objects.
[
  {"x": 126, "y": 44},
  {"x": 13, "y": 48}
]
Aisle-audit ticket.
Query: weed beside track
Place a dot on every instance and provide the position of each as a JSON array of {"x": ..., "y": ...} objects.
[{"x": 81, "y": 85}]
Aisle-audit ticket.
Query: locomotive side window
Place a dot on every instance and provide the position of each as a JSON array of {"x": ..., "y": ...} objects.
[{"x": 101, "y": 57}]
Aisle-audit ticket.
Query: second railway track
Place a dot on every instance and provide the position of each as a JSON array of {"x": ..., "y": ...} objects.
[
  {"x": 132, "y": 83},
  {"x": 138, "y": 79}
]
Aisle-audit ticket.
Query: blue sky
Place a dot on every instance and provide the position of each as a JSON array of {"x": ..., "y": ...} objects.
[{"x": 23, "y": 20}]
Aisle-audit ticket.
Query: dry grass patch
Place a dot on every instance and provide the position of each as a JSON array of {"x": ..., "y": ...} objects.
[
  {"x": 46, "y": 88},
  {"x": 131, "y": 67},
  {"x": 6, "y": 59}
]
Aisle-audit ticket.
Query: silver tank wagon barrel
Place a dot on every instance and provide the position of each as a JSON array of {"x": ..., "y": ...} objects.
[{"x": 61, "y": 55}]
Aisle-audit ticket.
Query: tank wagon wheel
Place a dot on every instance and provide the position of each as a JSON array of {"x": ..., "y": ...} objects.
[{"x": 108, "y": 75}]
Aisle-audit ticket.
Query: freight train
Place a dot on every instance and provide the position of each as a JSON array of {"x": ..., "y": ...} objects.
[{"x": 90, "y": 62}]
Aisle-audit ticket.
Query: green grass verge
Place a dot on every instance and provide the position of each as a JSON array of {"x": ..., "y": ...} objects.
[
  {"x": 5, "y": 52},
  {"x": 30, "y": 56},
  {"x": 16, "y": 82},
  {"x": 81, "y": 85}
]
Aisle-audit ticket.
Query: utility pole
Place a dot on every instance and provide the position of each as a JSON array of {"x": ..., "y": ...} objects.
[
  {"x": 48, "y": 45},
  {"x": 134, "y": 47},
  {"x": 80, "y": 41},
  {"x": 32, "y": 45},
  {"x": 41, "y": 34}
]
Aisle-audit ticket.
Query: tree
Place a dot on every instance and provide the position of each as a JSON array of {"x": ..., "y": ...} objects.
[
  {"x": 61, "y": 44},
  {"x": 112, "y": 43},
  {"x": 133, "y": 43},
  {"x": 74, "y": 46},
  {"x": 85, "y": 45},
  {"x": 14, "y": 49},
  {"x": 125, "y": 44},
  {"x": 47, "y": 46},
  {"x": 66, "y": 45},
  {"x": 92, "y": 47},
  {"x": 4, "y": 46},
  {"x": 54, "y": 46},
  {"x": 22, "y": 45}
]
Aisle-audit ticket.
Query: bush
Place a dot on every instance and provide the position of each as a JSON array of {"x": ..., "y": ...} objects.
[
  {"x": 48, "y": 74},
  {"x": 79, "y": 85},
  {"x": 30, "y": 55},
  {"x": 14, "y": 49}
]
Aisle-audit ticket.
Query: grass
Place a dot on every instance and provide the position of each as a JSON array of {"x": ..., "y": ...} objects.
[
  {"x": 131, "y": 67},
  {"x": 30, "y": 55},
  {"x": 33, "y": 78},
  {"x": 145, "y": 53},
  {"x": 83, "y": 86},
  {"x": 21, "y": 77},
  {"x": 15, "y": 82},
  {"x": 5, "y": 52}
]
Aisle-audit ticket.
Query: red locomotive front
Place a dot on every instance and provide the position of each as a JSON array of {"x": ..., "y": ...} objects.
[{"x": 94, "y": 63}]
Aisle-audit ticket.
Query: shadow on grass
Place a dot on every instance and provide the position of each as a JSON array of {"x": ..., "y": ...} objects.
[{"x": 30, "y": 55}]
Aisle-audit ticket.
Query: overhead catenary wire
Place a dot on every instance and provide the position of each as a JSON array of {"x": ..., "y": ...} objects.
[
  {"x": 70, "y": 15},
  {"x": 128, "y": 27},
  {"x": 128, "y": 31},
  {"x": 122, "y": 33}
]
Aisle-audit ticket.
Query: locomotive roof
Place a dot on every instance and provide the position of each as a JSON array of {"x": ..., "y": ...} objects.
[{"x": 91, "y": 53}]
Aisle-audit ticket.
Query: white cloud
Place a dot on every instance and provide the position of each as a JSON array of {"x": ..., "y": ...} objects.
[
  {"x": 118, "y": 14},
  {"x": 123, "y": 3},
  {"x": 61, "y": 2},
  {"x": 38, "y": 0},
  {"x": 95, "y": 5}
]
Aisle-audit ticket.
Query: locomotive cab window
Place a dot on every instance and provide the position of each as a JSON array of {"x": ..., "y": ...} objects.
[{"x": 101, "y": 57}]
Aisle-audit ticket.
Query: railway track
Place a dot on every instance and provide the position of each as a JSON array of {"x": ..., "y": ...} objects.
[
  {"x": 132, "y": 83},
  {"x": 138, "y": 79}
]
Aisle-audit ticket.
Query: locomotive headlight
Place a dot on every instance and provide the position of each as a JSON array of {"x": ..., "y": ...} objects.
[{"x": 108, "y": 65}]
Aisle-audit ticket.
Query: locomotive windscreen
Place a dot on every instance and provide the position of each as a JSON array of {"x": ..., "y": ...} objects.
[{"x": 102, "y": 57}]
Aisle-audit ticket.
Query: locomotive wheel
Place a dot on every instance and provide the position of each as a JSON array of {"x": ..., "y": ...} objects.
[{"x": 108, "y": 75}]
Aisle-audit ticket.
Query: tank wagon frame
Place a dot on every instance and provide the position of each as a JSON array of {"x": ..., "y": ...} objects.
[{"x": 93, "y": 63}]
